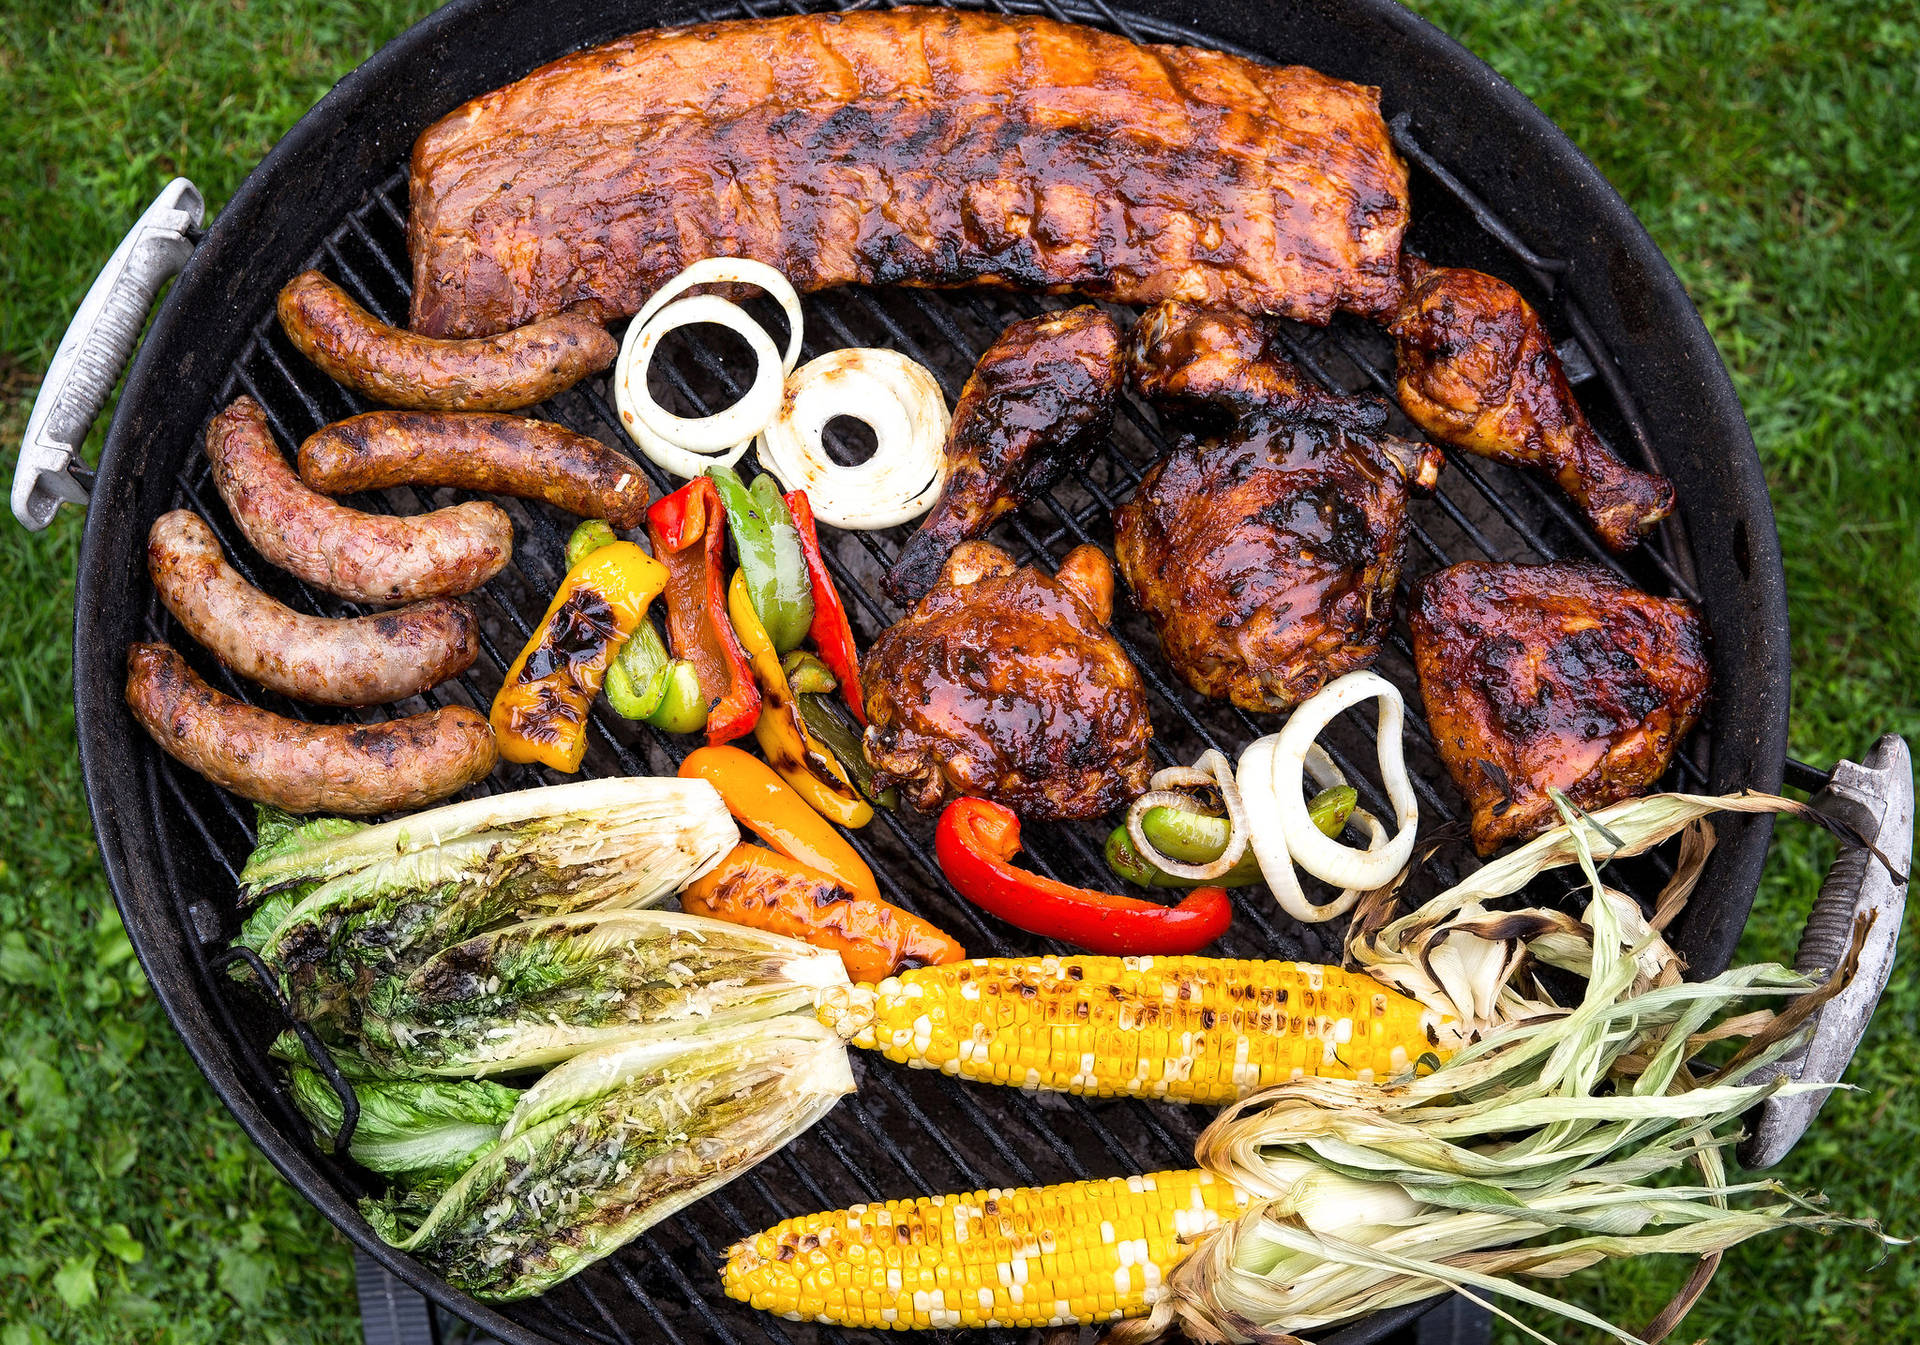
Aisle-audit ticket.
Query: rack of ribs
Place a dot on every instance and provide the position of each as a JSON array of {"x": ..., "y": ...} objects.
[{"x": 934, "y": 147}]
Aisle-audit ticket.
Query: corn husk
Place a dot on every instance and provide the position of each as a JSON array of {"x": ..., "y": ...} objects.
[{"x": 1529, "y": 1152}]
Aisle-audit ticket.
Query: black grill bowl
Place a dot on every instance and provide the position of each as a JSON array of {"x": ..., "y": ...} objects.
[{"x": 1496, "y": 186}]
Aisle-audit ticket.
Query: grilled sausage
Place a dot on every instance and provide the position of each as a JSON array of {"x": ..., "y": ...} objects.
[
  {"x": 496, "y": 373},
  {"x": 368, "y": 660},
  {"x": 365, "y": 557},
  {"x": 505, "y": 455},
  {"x": 355, "y": 769}
]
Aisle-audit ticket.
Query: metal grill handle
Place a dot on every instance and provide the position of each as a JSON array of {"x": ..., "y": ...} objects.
[
  {"x": 95, "y": 351},
  {"x": 1876, "y": 799}
]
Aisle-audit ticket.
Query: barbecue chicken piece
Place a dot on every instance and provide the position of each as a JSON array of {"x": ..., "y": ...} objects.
[
  {"x": 1552, "y": 676},
  {"x": 1477, "y": 369},
  {"x": 1266, "y": 545},
  {"x": 911, "y": 146},
  {"x": 1004, "y": 683},
  {"x": 1040, "y": 400}
]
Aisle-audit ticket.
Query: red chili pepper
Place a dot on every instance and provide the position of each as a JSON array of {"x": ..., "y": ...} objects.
[
  {"x": 831, "y": 632},
  {"x": 697, "y": 621},
  {"x": 977, "y": 838}
]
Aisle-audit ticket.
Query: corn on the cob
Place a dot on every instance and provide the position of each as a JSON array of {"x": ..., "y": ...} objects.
[
  {"x": 1185, "y": 1029},
  {"x": 1091, "y": 1251}
]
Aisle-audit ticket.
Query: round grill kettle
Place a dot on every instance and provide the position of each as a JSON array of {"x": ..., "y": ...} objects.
[{"x": 1497, "y": 186}]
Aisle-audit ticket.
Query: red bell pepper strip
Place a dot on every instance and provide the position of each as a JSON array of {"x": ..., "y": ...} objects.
[
  {"x": 977, "y": 839},
  {"x": 831, "y": 632},
  {"x": 697, "y": 621}
]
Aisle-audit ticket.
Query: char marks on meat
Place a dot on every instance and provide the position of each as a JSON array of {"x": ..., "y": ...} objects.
[
  {"x": 1266, "y": 546},
  {"x": 916, "y": 146},
  {"x": 1540, "y": 677},
  {"x": 1004, "y": 683},
  {"x": 1038, "y": 402}
]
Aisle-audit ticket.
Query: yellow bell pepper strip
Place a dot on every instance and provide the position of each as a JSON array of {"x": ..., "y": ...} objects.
[
  {"x": 767, "y": 806},
  {"x": 541, "y": 711},
  {"x": 792, "y": 751}
]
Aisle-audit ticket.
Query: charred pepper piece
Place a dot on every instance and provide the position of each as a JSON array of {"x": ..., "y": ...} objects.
[
  {"x": 697, "y": 624},
  {"x": 767, "y": 890},
  {"x": 782, "y": 734},
  {"x": 541, "y": 711},
  {"x": 768, "y": 545},
  {"x": 976, "y": 842},
  {"x": 832, "y": 633},
  {"x": 770, "y": 808}
]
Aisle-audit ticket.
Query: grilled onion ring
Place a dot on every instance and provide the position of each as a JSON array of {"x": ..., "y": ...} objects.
[
  {"x": 1273, "y": 790},
  {"x": 1212, "y": 770},
  {"x": 688, "y": 447},
  {"x": 909, "y": 416}
]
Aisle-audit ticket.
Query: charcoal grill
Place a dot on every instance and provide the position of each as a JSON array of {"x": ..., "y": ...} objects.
[{"x": 1496, "y": 187}]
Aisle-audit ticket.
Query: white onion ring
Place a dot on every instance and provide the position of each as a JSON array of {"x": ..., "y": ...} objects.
[
  {"x": 734, "y": 271},
  {"x": 682, "y": 446},
  {"x": 1166, "y": 784},
  {"x": 909, "y": 416},
  {"x": 1273, "y": 793}
]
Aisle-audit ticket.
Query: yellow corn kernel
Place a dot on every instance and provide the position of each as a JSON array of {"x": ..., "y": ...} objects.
[
  {"x": 1184, "y": 1029},
  {"x": 1090, "y": 1251}
]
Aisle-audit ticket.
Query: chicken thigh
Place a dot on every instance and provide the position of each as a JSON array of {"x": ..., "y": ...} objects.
[
  {"x": 1266, "y": 546},
  {"x": 1004, "y": 683},
  {"x": 1540, "y": 677}
]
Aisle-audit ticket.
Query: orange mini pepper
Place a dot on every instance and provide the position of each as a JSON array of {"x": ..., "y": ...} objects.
[
  {"x": 768, "y": 807},
  {"x": 541, "y": 711},
  {"x": 766, "y": 890}
]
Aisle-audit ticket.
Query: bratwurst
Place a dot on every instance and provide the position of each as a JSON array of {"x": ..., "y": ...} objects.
[
  {"x": 366, "y": 557},
  {"x": 477, "y": 450},
  {"x": 356, "y": 769},
  {"x": 914, "y": 146},
  {"x": 368, "y": 660},
  {"x": 500, "y": 373}
]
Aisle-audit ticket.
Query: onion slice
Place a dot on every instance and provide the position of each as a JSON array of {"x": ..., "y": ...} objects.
[
  {"x": 734, "y": 271},
  {"x": 688, "y": 447},
  {"x": 909, "y": 416},
  {"x": 1212, "y": 770},
  {"x": 1273, "y": 792}
]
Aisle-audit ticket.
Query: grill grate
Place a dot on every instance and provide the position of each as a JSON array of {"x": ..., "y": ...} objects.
[{"x": 906, "y": 1132}]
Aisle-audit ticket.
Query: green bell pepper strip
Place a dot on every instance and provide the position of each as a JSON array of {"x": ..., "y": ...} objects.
[
  {"x": 588, "y": 538},
  {"x": 843, "y": 740},
  {"x": 771, "y": 562},
  {"x": 682, "y": 708},
  {"x": 1199, "y": 838},
  {"x": 807, "y": 675}
]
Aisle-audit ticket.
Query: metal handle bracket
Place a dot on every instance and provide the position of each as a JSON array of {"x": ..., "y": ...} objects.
[
  {"x": 95, "y": 351},
  {"x": 1876, "y": 799}
]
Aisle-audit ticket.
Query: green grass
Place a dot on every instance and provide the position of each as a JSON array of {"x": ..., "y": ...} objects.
[{"x": 1774, "y": 151}]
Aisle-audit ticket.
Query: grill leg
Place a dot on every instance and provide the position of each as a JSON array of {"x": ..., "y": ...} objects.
[
  {"x": 390, "y": 1312},
  {"x": 1454, "y": 1322}
]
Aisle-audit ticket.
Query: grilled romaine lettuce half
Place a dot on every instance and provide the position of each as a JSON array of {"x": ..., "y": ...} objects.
[
  {"x": 420, "y": 1133},
  {"x": 616, "y": 1140},
  {"x": 538, "y": 992},
  {"x": 343, "y": 905}
]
